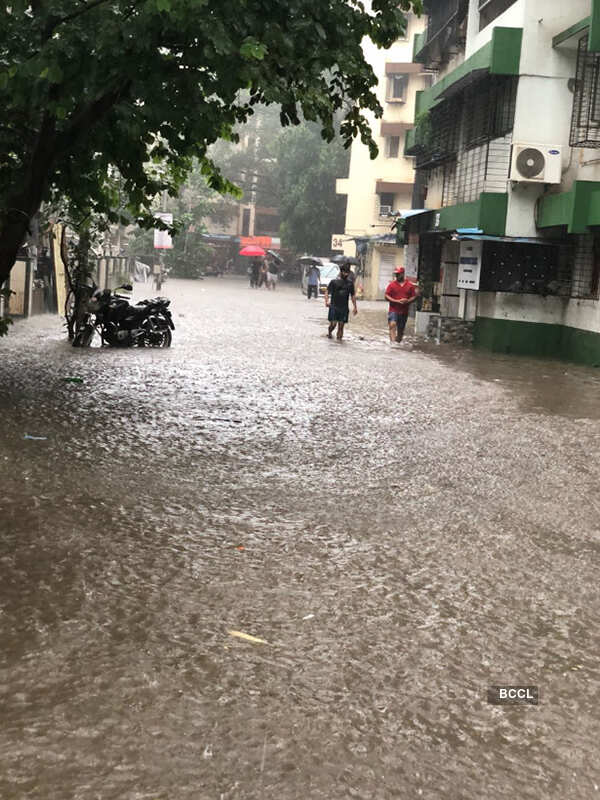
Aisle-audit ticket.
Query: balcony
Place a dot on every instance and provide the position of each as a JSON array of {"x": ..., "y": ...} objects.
[{"x": 445, "y": 34}]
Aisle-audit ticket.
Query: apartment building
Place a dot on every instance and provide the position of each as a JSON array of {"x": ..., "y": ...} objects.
[
  {"x": 507, "y": 172},
  {"x": 377, "y": 188}
]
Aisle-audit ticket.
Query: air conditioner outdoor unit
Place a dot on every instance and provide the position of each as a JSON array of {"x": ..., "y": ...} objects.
[
  {"x": 536, "y": 163},
  {"x": 384, "y": 211}
]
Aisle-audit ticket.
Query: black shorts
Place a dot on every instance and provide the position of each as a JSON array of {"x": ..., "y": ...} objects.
[{"x": 337, "y": 314}]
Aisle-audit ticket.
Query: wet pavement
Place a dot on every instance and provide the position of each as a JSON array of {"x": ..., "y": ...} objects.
[{"x": 403, "y": 527}]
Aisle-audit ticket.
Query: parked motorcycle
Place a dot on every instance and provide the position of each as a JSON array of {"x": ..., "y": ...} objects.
[{"x": 120, "y": 324}]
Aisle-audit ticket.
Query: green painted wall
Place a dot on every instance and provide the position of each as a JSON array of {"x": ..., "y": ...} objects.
[
  {"x": 506, "y": 51},
  {"x": 594, "y": 36},
  {"x": 488, "y": 213},
  {"x": 501, "y": 55},
  {"x": 576, "y": 209},
  {"x": 537, "y": 339}
]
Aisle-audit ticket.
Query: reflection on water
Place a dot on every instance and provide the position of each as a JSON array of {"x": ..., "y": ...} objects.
[{"x": 403, "y": 526}]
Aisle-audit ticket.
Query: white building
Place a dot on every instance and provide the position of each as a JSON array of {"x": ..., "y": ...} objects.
[
  {"x": 376, "y": 188},
  {"x": 505, "y": 142}
]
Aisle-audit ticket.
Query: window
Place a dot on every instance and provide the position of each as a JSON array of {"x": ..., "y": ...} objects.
[
  {"x": 396, "y": 91},
  {"x": 489, "y": 109},
  {"x": 386, "y": 203},
  {"x": 490, "y": 9},
  {"x": 585, "y": 120},
  {"x": 392, "y": 146}
]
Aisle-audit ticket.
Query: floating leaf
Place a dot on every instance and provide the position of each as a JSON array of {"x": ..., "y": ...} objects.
[{"x": 247, "y": 637}]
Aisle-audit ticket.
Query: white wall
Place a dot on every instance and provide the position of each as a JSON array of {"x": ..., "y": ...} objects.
[
  {"x": 513, "y": 17},
  {"x": 582, "y": 314}
]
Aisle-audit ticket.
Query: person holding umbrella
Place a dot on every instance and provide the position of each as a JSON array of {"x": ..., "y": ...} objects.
[{"x": 255, "y": 253}]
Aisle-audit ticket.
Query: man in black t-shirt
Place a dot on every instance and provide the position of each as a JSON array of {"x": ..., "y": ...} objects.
[{"x": 336, "y": 299}]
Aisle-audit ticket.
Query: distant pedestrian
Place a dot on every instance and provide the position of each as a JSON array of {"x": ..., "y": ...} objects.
[
  {"x": 263, "y": 274},
  {"x": 254, "y": 270},
  {"x": 337, "y": 294},
  {"x": 272, "y": 275},
  {"x": 313, "y": 278},
  {"x": 400, "y": 293}
]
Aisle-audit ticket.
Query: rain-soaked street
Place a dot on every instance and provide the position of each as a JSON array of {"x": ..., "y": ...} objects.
[{"x": 402, "y": 527}]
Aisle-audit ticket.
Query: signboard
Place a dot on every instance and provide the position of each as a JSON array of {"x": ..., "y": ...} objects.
[
  {"x": 162, "y": 239},
  {"x": 266, "y": 242},
  {"x": 411, "y": 259},
  {"x": 469, "y": 264},
  {"x": 337, "y": 241}
]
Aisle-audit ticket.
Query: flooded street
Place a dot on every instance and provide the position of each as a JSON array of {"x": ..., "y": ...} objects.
[{"x": 403, "y": 527}]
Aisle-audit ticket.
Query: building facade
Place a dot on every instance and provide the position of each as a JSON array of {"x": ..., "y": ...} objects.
[
  {"x": 377, "y": 188},
  {"x": 505, "y": 146}
]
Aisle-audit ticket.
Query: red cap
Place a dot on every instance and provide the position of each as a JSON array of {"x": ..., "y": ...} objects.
[{"x": 399, "y": 270}]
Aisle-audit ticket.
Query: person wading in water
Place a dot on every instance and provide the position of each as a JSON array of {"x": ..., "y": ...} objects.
[
  {"x": 337, "y": 295},
  {"x": 400, "y": 293}
]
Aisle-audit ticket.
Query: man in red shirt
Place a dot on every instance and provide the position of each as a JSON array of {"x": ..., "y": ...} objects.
[{"x": 400, "y": 293}]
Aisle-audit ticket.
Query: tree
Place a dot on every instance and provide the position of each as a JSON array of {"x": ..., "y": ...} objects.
[
  {"x": 307, "y": 168},
  {"x": 86, "y": 85}
]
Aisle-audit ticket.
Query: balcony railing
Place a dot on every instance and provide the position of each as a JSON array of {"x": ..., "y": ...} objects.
[
  {"x": 440, "y": 13},
  {"x": 443, "y": 32}
]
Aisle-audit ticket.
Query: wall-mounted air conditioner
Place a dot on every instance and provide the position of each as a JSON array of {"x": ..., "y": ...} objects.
[
  {"x": 536, "y": 163},
  {"x": 384, "y": 211}
]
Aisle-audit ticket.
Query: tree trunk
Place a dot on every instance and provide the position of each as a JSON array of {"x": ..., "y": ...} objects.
[{"x": 25, "y": 203}]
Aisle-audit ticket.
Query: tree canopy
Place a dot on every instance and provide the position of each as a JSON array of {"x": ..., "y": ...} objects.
[
  {"x": 89, "y": 87},
  {"x": 306, "y": 168}
]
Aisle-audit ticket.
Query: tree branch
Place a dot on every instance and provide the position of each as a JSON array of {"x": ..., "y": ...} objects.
[{"x": 52, "y": 26}]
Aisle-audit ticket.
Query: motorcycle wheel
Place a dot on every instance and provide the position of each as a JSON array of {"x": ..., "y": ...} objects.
[
  {"x": 83, "y": 338},
  {"x": 156, "y": 337}
]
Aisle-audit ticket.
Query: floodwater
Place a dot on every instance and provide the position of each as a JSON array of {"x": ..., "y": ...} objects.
[{"x": 403, "y": 527}]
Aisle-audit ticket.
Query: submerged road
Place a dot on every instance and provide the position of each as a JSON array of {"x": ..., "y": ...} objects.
[{"x": 403, "y": 528}]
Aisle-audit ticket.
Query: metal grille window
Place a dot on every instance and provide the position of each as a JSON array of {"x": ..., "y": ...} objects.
[
  {"x": 449, "y": 185},
  {"x": 585, "y": 120},
  {"x": 440, "y": 137},
  {"x": 524, "y": 269},
  {"x": 585, "y": 270},
  {"x": 489, "y": 109},
  {"x": 471, "y": 172},
  {"x": 440, "y": 13}
]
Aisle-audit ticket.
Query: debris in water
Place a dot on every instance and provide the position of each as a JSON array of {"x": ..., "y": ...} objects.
[
  {"x": 308, "y": 616},
  {"x": 36, "y": 438},
  {"x": 247, "y": 637},
  {"x": 208, "y": 751},
  {"x": 73, "y": 379}
]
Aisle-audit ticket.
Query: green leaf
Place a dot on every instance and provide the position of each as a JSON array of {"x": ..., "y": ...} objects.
[
  {"x": 253, "y": 49},
  {"x": 3, "y": 80},
  {"x": 54, "y": 73},
  {"x": 163, "y": 5}
]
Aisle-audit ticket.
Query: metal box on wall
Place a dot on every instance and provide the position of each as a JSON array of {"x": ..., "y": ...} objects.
[{"x": 469, "y": 264}]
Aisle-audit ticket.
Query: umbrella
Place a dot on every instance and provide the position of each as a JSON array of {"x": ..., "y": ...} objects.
[
  {"x": 276, "y": 256},
  {"x": 345, "y": 260},
  {"x": 252, "y": 250},
  {"x": 310, "y": 260}
]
